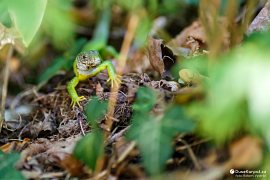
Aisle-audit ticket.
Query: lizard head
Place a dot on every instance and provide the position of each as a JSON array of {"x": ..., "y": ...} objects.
[{"x": 88, "y": 60}]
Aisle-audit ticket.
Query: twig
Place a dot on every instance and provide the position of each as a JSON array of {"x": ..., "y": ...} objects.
[
  {"x": 132, "y": 25},
  {"x": 118, "y": 135},
  {"x": 5, "y": 85},
  {"x": 123, "y": 156},
  {"x": 192, "y": 155},
  {"x": 80, "y": 121},
  {"x": 191, "y": 145},
  {"x": 52, "y": 175}
]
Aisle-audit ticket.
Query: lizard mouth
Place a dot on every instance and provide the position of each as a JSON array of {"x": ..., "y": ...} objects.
[{"x": 84, "y": 71}]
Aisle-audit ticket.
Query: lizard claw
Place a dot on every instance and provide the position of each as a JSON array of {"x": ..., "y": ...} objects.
[
  {"x": 77, "y": 100},
  {"x": 115, "y": 81}
]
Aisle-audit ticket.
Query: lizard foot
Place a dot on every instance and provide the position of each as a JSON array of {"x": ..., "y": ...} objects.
[
  {"x": 77, "y": 100},
  {"x": 115, "y": 81}
]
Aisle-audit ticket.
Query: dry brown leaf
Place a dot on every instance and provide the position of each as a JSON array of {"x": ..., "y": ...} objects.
[
  {"x": 99, "y": 90},
  {"x": 72, "y": 165},
  {"x": 246, "y": 152},
  {"x": 161, "y": 57},
  {"x": 138, "y": 62},
  {"x": 261, "y": 21},
  {"x": 195, "y": 30},
  {"x": 43, "y": 128},
  {"x": 192, "y": 37},
  {"x": 14, "y": 145},
  {"x": 171, "y": 86},
  {"x": 47, "y": 152}
]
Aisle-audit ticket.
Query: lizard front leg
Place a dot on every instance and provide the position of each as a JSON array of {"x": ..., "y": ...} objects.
[
  {"x": 75, "y": 99},
  {"x": 113, "y": 77}
]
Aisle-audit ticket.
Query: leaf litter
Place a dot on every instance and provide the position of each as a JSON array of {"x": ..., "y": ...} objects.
[{"x": 47, "y": 135}]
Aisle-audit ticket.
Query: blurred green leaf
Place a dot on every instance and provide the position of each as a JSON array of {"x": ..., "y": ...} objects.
[
  {"x": 193, "y": 2},
  {"x": 90, "y": 148},
  {"x": 7, "y": 166},
  {"x": 143, "y": 32},
  {"x": 58, "y": 23},
  {"x": 130, "y": 4},
  {"x": 4, "y": 16},
  {"x": 95, "y": 109},
  {"x": 27, "y": 18},
  {"x": 152, "y": 5},
  {"x": 154, "y": 144},
  {"x": 63, "y": 62},
  {"x": 238, "y": 95},
  {"x": 145, "y": 100},
  {"x": 154, "y": 134},
  {"x": 101, "y": 33},
  {"x": 101, "y": 4},
  {"x": 175, "y": 120}
]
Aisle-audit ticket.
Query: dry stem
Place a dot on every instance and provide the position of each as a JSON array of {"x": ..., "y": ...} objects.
[
  {"x": 132, "y": 25},
  {"x": 5, "y": 85}
]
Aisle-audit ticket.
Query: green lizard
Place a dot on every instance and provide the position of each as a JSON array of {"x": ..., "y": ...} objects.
[{"x": 88, "y": 64}]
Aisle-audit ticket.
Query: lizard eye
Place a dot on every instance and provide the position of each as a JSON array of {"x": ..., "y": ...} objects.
[{"x": 84, "y": 56}]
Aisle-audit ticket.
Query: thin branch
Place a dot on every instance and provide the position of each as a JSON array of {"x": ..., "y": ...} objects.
[
  {"x": 132, "y": 25},
  {"x": 117, "y": 135},
  {"x": 5, "y": 86},
  {"x": 192, "y": 155}
]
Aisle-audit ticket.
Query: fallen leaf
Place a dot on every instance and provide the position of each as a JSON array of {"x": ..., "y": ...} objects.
[
  {"x": 246, "y": 152},
  {"x": 161, "y": 57},
  {"x": 99, "y": 90},
  {"x": 43, "y": 128},
  {"x": 14, "y": 145},
  {"x": 166, "y": 85},
  {"x": 193, "y": 37},
  {"x": 72, "y": 165}
]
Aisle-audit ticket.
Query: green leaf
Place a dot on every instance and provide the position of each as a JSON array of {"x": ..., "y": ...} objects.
[
  {"x": 145, "y": 100},
  {"x": 154, "y": 134},
  {"x": 175, "y": 120},
  {"x": 58, "y": 23},
  {"x": 27, "y": 16},
  {"x": 131, "y": 5},
  {"x": 7, "y": 163},
  {"x": 95, "y": 109},
  {"x": 4, "y": 16},
  {"x": 90, "y": 148},
  {"x": 101, "y": 33},
  {"x": 143, "y": 32},
  {"x": 238, "y": 95},
  {"x": 155, "y": 146}
]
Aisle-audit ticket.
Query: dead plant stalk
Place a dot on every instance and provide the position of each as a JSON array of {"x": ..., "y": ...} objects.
[
  {"x": 5, "y": 86},
  {"x": 132, "y": 25}
]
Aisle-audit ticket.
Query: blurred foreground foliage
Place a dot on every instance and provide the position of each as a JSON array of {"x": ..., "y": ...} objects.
[
  {"x": 91, "y": 147},
  {"x": 154, "y": 133},
  {"x": 237, "y": 100},
  {"x": 7, "y": 166}
]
